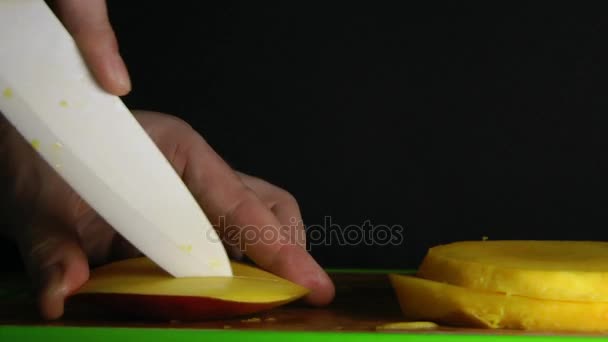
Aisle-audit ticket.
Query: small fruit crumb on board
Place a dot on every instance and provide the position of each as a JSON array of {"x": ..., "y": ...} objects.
[{"x": 421, "y": 325}]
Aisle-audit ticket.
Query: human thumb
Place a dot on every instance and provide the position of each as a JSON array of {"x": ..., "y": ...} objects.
[{"x": 55, "y": 262}]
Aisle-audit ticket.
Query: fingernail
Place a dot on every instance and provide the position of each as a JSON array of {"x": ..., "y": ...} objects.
[
  {"x": 119, "y": 74},
  {"x": 51, "y": 281},
  {"x": 52, "y": 293}
]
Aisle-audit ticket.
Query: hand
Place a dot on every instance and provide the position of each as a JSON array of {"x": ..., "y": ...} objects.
[
  {"x": 59, "y": 233},
  {"x": 88, "y": 23}
]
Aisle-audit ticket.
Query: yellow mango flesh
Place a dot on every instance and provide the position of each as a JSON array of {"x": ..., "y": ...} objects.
[
  {"x": 554, "y": 270},
  {"x": 422, "y": 299},
  {"x": 140, "y": 276}
]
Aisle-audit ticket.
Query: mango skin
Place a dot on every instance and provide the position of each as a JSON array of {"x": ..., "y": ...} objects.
[
  {"x": 554, "y": 270},
  {"x": 167, "y": 308},
  {"x": 139, "y": 288},
  {"x": 423, "y": 299}
]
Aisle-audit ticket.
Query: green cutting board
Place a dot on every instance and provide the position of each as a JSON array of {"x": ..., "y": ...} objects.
[{"x": 364, "y": 300}]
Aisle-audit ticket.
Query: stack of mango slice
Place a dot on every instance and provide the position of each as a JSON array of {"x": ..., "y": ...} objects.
[{"x": 529, "y": 285}]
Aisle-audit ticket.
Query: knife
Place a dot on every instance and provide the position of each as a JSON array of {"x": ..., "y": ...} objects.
[{"x": 96, "y": 145}]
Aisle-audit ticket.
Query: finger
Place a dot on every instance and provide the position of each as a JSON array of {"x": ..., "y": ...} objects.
[
  {"x": 55, "y": 262},
  {"x": 260, "y": 239},
  {"x": 229, "y": 203},
  {"x": 282, "y": 204},
  {"x": 224, "y": 197},
  {"x": 88, "y": 23}
]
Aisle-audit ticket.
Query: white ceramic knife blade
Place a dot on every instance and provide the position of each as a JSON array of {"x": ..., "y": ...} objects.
[{"x": 93, "y": 141}]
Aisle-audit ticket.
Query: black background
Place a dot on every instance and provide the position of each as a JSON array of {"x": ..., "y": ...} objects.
[{"x": 455, "y": 121}]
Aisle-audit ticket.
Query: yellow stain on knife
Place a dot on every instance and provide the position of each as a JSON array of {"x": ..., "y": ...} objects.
[
  {"x": 186, "y": 248},
  {"x": 36, "y": 144},
  {"x": 7, "y": 93},
  {"x": 57, "y": 146},
  {"x": 214, "y": 264}
]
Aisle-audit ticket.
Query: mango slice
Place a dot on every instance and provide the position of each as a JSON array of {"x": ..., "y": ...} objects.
[
  {"x": 422, "y": 299},
  {"x": 554, "y": 270},
  {"x": 138, "y": 287}
]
